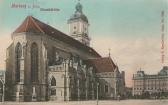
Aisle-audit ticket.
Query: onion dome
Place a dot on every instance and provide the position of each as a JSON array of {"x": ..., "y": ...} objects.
[{"x": 78, "y": 14}]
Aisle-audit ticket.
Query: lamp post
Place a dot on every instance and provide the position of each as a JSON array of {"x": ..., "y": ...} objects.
[
  {"x": 65, "y": 80},
  {"x": 97, "y": 93},
  {"x": 3, "y": 88}
]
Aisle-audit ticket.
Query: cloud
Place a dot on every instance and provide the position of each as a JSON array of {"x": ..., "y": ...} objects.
[{"x": 131, "y": 53}]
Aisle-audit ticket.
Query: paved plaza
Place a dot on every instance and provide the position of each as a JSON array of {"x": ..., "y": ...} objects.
[{"x": 122, "y": 102}]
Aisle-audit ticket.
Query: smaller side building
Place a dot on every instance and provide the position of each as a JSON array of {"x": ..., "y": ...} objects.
[
  {"x": 111, "y": 80},
  {"x": 85, "y": 80},
  {"x": 150, "y": 85}
]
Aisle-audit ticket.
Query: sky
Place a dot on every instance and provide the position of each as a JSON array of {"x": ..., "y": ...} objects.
[{"x": 130, "y": 28}]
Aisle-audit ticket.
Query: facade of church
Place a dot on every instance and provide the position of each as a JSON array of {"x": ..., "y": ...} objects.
[{"x": 44, "y": 64}]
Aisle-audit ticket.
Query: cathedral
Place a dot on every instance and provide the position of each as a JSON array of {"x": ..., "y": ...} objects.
[{"x": 45, "y": 64}]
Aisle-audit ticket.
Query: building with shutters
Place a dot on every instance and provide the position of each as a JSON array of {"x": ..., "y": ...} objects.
[{"x": 155, "y": 84}]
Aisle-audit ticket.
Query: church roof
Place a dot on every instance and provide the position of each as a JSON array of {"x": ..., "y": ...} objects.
[
  {"x": 31, "y": 24},
  {"x": 102, "y": 64}
]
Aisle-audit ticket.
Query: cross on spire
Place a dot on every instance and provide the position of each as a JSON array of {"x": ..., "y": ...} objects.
[
  {"x": 30, "y": 14},
  {"x": 109, "y": 52},
  {"x": 79, "y": 7}
]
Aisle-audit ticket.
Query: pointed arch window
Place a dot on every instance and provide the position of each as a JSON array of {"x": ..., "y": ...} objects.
[
  {"x": 53, "y": 81},
  {"x": 34, "y": 63},
  {"x": 18, "y": 54},
  {"x": 106, "y": 88}
]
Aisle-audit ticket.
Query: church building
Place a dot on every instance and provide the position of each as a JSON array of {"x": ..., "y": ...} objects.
[{"x": 45, "y": 64}]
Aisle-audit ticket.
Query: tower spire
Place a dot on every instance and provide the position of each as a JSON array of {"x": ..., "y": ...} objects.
[
  {"x": 78, "y": 25},
  {"x": 79, "y": 7}
]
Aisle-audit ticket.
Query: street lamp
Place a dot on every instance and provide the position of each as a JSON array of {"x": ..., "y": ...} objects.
[
  {"x": 97, "y": 93},
  {"x": 2, "y": 88}
]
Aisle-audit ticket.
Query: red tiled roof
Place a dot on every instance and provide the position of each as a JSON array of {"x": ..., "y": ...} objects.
[
  {"x": 31, "y": 24},
  {"x": 102, "y": 64}
]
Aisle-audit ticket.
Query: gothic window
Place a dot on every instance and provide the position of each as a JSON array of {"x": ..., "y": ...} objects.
[
  {"x": 53, "y": 82},
  {"x": 56, "y": 56},
  {"x": 34, "y": 63},
  {"x": 76, "y": 58},
  {"x": 106, "y": 89},
  {"x": 18, "y": 54}
]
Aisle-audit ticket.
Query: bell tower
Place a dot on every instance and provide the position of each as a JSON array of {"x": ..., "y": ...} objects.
[{"x": 78, "y": 26}]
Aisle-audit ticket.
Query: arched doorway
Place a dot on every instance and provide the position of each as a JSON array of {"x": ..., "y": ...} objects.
[{"x": 53, "y": 81}]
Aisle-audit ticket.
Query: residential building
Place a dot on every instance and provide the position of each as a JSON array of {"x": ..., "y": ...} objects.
[{"x": 152, "y": 84}]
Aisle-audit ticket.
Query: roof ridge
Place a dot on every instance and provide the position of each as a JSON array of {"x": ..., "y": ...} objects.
[
  {"x": 103, "y": 64},
  {"x": 27, "y": 22},
  {"x": 95, "y": 58},
  {"x": 112, "y": 62},
  {"x": 36, "y": 24}
]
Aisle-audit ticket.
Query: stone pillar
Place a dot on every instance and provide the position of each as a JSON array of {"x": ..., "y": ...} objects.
[
  {"x": 86, "y": 88},
  {"x": 34, "y": 95},
  {"x": 67, "y": 89},
  {"x": 78, "y": 83},
  {"x": 93, "y": 93},
  {"x": 22, "y": 70},
  {"x": 66, "y": 80},
  {"x": 98, "y": 92},
  {"x": 115, "y": 83},
  {"x": 22, "y": 62},
  {"x": 115, "y": 90},
  {"x": 17, "y": 93}
]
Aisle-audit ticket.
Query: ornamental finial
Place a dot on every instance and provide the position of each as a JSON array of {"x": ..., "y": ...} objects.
[
  {"x": 79, "y": 7},
  {"x": 109, "y": 52}
]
